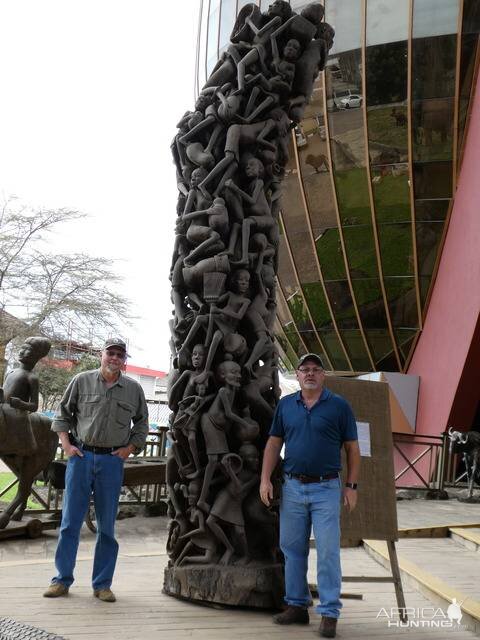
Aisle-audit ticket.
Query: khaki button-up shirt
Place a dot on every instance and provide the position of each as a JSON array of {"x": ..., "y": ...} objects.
[{"x": 103, "y": 416}]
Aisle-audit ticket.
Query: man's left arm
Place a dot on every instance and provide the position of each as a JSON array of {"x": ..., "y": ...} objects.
[
  {"x": 352, "y": 451},
  {"x": 138, "y": 430}
]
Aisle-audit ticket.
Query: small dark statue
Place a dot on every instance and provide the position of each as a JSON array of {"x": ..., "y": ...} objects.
[
  {"x": 27, "y": 444},
  {"x": 230, "y": 154},
  {"x": 467, "y": 444}
]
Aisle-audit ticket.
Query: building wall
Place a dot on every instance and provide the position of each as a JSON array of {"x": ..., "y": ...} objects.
[
  {"x": 446, "y": 355},
  {"x": 369, "y": 189}
]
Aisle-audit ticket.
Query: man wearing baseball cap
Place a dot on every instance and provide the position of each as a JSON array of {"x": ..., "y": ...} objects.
[
  {"x": 314, "y": 424},
  {"x": 101, "y": 420}
]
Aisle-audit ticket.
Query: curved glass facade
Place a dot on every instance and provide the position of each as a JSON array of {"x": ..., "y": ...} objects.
[{"x": 371, "y": 177}]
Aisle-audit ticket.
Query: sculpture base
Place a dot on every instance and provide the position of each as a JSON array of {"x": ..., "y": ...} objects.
[{"x": 254, "y": 585}]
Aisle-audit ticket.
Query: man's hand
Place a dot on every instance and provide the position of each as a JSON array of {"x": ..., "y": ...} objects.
[
  {"x": 350, "y": 498},
  {"x": 71, "y": 450},
  {"x": 124, "y": 452},
  {"x": 266, "y": 492}
]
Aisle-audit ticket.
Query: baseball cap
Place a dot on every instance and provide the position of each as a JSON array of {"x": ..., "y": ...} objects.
[
  {"x": 310, "y": 356},
  {"x": 116, "y": 342}
]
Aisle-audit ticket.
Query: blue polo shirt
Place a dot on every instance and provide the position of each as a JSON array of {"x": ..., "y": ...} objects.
[{"x": 313, "y": 437}]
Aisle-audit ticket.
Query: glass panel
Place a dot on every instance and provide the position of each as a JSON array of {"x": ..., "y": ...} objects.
[
  {"x": 387, "y": 21},
  {"x": 294, "y": 339},
  {"x": 341, "y": 301},
  {"x": 386, "y": 74},
  {"x": 470, "y": 31},
  {"x": 346, "y": 17},
  {"x": 283, "y": 313},
  {"x": 314, "y": 164},
  {"x": 391, "y": 192},
  {"x": 434, "y": 17},
  {"x": 396, "y": 249},
  {"x": 212, "y": 40},
  {"x": 361, "y": 252},
  {"x": 433, "y": 67},
  {"x": 372, "y": 312},
  {"x": 352, "y": 195},
  {"x": 290, "y": 355},
  {"x": 429, "y": 235},
  {"x": 317, "y": 304},
  {"x": 433, "y": 129},
  {"x": 286, "y": 274},
  {"x": 227, "y": 20},
  {"x": 335, "y": 351},
  {"x": 295, "y": 222},
  {"x": 353, "y": 341},
  {"x": 432, "y": 179},
  {"x": 402, "y": 301},
  {"x": 304, "y": 325},
  {"x": 299, "y": 313},
  {"x": 431, "y": 209},
  {"x": 330, "y": 255},
  {"x": 313, "y": 346},
  {"x": 405, "y": 338},
  {"x": 202, "y": 50}
]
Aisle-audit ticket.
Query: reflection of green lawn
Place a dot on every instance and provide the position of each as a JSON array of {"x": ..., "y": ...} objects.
[
  {"x": 382, "y": 127},
  {"x": 391, "y": 198},
  {"x": 6, "y": 479}
]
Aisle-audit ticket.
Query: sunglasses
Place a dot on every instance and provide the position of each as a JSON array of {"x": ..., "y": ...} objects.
[{"x": 116, "y": 354}]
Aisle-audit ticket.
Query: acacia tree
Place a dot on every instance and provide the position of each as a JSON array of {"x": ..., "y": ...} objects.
[{"x": 50, "y": 293}]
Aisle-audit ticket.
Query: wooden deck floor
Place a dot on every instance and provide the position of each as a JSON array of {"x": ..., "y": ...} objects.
[{"x": 143, "y": 612}]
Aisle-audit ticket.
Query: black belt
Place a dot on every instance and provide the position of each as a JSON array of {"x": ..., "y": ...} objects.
[
  {"x": 308, "y": 479},
  {"x": 88, "y": 447}
]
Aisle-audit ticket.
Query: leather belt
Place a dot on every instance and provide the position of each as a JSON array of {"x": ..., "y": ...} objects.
[
  {"x": 304, "y": 479},
  {"x": 99, "y": 450}
]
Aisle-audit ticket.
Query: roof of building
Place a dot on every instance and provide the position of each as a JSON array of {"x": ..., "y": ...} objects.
[{"x": 145, "y": 371}]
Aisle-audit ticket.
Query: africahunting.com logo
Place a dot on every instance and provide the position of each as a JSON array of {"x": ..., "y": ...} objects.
[{"x": 423, "y": 617}]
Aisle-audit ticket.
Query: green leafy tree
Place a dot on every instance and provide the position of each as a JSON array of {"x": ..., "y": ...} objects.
[{"x": 53, "y": 379}]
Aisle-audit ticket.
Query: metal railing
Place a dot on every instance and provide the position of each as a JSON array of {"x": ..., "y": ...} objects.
[{"x": 155, "y": 451}]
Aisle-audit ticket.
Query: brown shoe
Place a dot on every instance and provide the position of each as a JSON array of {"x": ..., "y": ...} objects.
[
  {"x": 292, "y": 615},
  {"x": 328, "y": 627},
  {"x": 105, "y": 595},
  {"x": 55, "y": 590}
]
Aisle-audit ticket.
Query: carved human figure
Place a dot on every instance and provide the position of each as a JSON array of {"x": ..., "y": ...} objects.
[
  {"x": 217, "y": 421},
  {"x": 257, "y": 208},
  {"x": 207, "y": 231},
  {"x": 223, "y": 317},
  {"x": 200, "y": 536},
  {"x": 227, "y": 507}
]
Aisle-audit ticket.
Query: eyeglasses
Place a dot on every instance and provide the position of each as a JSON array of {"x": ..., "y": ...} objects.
[
  {"x": 314, "y": 370},
  {"x": 116, "y": 354}
]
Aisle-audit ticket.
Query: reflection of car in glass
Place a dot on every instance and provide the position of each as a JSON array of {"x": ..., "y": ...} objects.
[{"x": 351, "y": 101}]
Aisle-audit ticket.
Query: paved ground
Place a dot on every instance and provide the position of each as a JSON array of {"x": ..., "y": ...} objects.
[{"x": 143, "y": 611}]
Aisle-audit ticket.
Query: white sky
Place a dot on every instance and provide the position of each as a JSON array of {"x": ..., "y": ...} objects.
[{"x": 91, "y": 92}]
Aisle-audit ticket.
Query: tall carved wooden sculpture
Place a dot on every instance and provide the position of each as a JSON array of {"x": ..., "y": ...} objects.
[{"x": 230, "y": 154}]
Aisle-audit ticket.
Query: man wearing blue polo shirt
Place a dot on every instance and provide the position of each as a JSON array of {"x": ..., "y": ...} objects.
[{"x": 314, "y": 424}]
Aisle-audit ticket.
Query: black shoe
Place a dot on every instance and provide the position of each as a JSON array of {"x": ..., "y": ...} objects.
[
  {"x": 292, "y": 615},
  {"x": 328, "y": 627}
]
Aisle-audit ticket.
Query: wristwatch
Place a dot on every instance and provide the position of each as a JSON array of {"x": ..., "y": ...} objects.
[{"x": 351, "y": 485}]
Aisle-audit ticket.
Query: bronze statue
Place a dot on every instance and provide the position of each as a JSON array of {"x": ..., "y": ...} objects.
[
  {"x": 230, "y": 154},
  {"x": 27, "y": 444}
]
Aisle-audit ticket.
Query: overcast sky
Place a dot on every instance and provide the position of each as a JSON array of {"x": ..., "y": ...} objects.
[{"x": 91, "y": 92}]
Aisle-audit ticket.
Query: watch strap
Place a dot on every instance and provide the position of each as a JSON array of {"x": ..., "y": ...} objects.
[{"x": 351, "y": 485}]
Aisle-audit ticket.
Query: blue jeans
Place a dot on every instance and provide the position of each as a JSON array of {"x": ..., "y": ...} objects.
[
  {"x": 302, "y": 506},
  {"x": 101, "y": 474}
]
